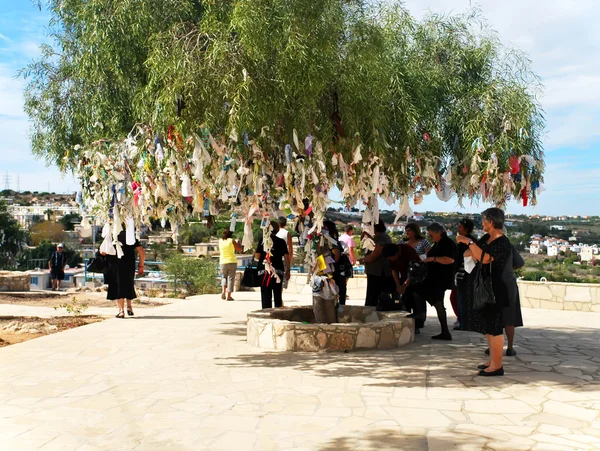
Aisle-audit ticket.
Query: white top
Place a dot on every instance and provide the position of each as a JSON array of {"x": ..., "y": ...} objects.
[{"x": 283, "y": 234}]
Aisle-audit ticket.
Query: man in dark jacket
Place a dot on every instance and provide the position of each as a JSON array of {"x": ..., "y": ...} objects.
[{"x": 56, "y": 265}]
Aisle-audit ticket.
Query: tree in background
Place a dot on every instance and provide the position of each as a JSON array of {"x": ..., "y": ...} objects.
[
  {"x": 49, "y": 213},
  {"x": 159, "y": 251},
  {"x": 192, "y": 233},
  {"x": 197, "y": 275},
  {"x": 46, "y": 231},
  {"x": 69, "y": 220},
  {"x": 12, "y": 239}
]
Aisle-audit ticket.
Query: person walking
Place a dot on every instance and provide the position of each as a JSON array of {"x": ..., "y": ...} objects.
[
  {"x": 377, "y": 267},
  {"x": 120, "y": 274},
  {"x": 272, "y": 285},
  {"x": 228, "y": 262},
  {"x": 416, "y": 240},
  {"x": 286, "y": 236},
  {"x": 56, "y": 265},
  {"x": 493, "y": 249},
  {"x": 440, "y": 275}
]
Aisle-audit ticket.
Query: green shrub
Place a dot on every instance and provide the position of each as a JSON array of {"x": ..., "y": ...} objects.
[
  {"x": 536, "y": 275},
  {"x": 197, "y": 275}
]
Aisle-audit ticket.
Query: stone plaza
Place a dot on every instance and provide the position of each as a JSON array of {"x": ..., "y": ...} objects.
[{"x": 183, "y": 377}]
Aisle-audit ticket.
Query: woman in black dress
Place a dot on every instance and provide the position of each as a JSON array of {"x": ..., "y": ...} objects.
[
  {"x": 493, "y": 248},
  {"x": 271, "y": 289},
  {"x": 440, "y": 275},
  {"x": 120, "y": 275}
]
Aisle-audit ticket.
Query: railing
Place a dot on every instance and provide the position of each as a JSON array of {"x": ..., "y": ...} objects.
[
  {"x": 34, "y": 263},
  {"x": 87, "y": 260}
]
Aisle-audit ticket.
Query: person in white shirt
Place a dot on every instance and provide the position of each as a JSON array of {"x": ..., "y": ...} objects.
[{"x": 287, "y": 237}]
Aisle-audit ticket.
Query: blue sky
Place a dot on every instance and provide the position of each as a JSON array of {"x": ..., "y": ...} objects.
[{"x": 562, "y": 38}]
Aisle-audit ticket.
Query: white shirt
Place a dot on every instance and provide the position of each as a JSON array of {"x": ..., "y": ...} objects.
[{"x": 283, "y": 234}]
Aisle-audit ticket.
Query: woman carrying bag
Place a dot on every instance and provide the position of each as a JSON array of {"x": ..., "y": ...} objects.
[{"x": 493, "y": 252}]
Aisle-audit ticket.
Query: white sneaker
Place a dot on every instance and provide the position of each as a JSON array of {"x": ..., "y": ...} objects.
[{"x": 456, "y": 325}]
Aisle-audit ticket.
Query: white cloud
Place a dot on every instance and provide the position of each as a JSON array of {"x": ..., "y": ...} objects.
[{"x": 562, "y": 39}]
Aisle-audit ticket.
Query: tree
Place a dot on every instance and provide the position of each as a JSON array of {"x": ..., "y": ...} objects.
[
  {"x": 158, "y": 251},
  {"x": 193, "y": 233},
  {"x": 46, "y": 231},
  {"x": 69, "y": 220},
  {"x": 49, "y": 213},
  {"x": 426, "y": 97},
  {"x": 12, "y": 237},
  {"x": 198, "y": 275}
]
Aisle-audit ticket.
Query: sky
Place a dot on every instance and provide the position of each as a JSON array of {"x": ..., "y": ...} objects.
[{"x": 561, "y": 38}]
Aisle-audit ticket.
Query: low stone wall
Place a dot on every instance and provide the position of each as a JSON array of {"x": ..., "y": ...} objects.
[
  {"x": 582, "y": 297},
  {"x": 293, "y": 329},
  {"x": 14, "y": 281}
]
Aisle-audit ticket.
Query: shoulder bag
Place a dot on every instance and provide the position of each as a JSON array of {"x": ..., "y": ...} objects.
[{"x": 483, "y": 294}]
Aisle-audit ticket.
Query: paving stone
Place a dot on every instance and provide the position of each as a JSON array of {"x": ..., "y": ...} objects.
[
  {"x": 191, "y": 383},
  {"x": 498, "y": 406},
  {"x": 570, "y": 411}
]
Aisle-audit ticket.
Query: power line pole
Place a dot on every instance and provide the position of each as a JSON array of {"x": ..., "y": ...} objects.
[
  {"x": 6, "y": 181},
  {"x": 18, "y": 184}
]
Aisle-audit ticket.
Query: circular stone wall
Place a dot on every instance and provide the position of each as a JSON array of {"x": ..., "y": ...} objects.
[{"x": 294, "y": 329}]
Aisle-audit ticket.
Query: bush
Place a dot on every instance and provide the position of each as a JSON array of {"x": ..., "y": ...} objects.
[
  {"x": 199, "y": 275},
  {"x": 536, "y": 276}
]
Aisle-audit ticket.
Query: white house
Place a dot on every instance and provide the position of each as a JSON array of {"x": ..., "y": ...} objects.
[
  {"x": 552, "y": 250},
  {"x": 586, "y": 254}
]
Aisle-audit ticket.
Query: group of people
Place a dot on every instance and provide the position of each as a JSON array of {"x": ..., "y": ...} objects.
[{"x": 388, "y": 270}]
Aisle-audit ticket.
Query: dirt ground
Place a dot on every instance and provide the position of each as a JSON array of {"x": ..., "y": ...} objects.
[
  {"x": 19, "y": 329},
  {"x": 52, "y": 299}
]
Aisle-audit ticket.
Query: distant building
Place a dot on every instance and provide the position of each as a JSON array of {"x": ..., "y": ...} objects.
[
  {"x": 558, "y": 227},
  {"x": 586, "y": 254},
  {"x": 25, "y": 214}
]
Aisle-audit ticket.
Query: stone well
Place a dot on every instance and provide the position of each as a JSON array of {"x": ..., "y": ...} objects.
[{"x": 294, "y": 329}]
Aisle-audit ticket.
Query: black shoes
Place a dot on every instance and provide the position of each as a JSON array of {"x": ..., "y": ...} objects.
[
  {"x": 510, "y": 352},
  {"x": 482, "y": 367},
  {"x": 446, "y": 337},
  {"x": 498, "y": 372}
]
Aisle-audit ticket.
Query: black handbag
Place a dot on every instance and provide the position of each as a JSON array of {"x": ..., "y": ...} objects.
[
  {"x": 517, "y": 260},
  {"x": 417, "y": 272},
  {"x": 251, "y": 278},
  {"x": 97, "y": 264},
  {"x": 483, "y": 293}
]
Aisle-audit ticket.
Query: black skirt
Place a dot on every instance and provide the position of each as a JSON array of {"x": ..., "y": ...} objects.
[{"x": 120, "y": 276}]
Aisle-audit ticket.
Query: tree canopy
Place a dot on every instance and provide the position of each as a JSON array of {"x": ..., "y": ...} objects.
[
  {"x": 12, "y": 238},
  {"x": 266, "y": 103}
]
